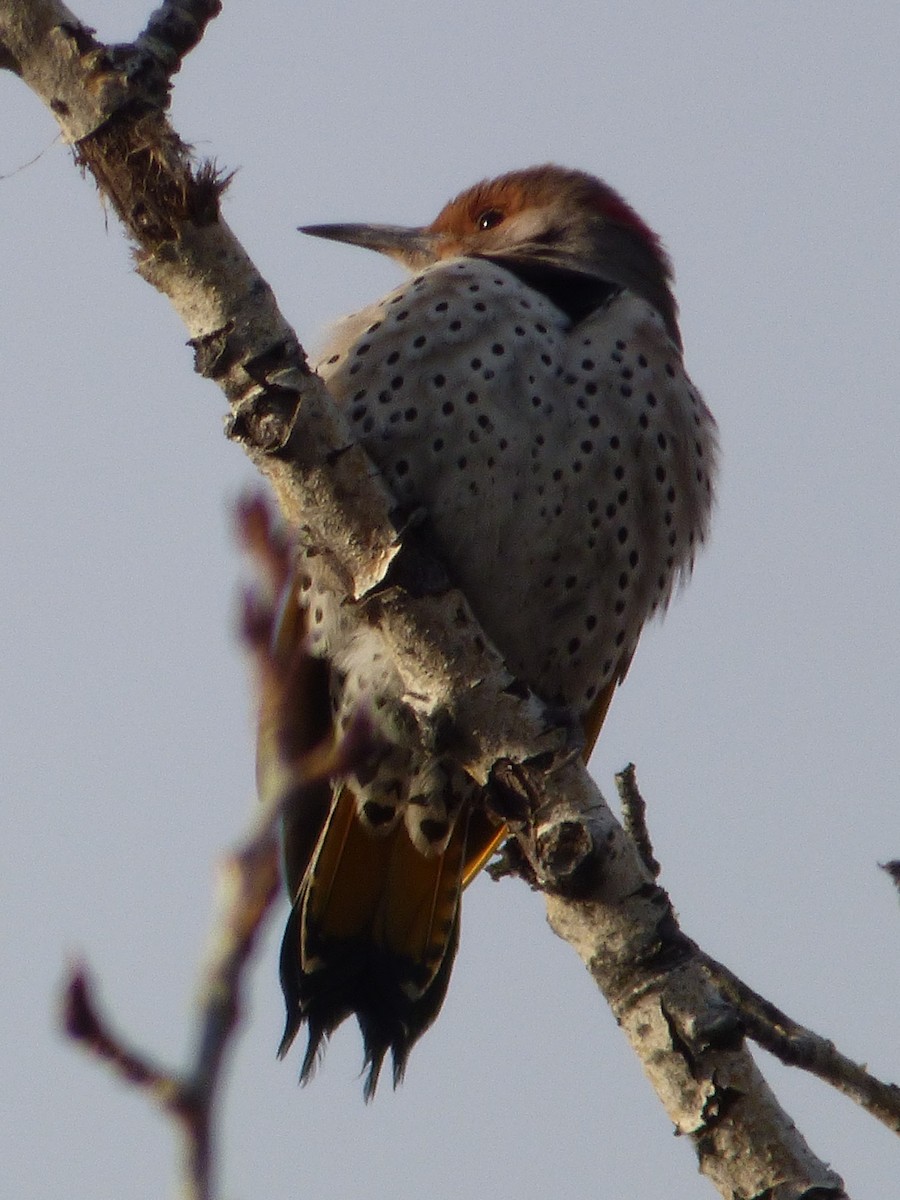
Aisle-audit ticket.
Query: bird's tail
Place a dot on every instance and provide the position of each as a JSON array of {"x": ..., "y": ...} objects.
[{"x": 373, "y": 933}]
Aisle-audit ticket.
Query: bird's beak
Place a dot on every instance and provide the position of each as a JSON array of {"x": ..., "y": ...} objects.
[{"x": 414, "y": 247}]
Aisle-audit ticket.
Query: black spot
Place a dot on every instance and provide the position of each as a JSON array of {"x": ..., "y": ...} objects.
[
  {"x": 590, "y": 622},
  {"x": 661, "y": 474},
  {"x": 611, "y": 510},
  {"x": 471, "y": 397},
  {"x": 642, "y": 360},
  {"x": 536, "y": 401},
  {"x": 557, "y": 475},
  {"x": 626, "y": 390},
  {"x": 485, "y": 422},
  {"x": 378, "y": 814},
  {"x": 498, "y": 349},
  {"x": 455, "y": 326},
  {"x": 358, "y": 412},
  {"x": 334, "y": 358},
  {"x": 574, "y": 645},
  {"x": 571, "y": 581},
  {"x": 462, "y": 462},
  {"x": 547, "y": 360},
  {"x": 587, "y": 364},
  {"x": 474, "y": 287},
  {"x": 439, "y": 380},
  {"x": 392, "y": 358},
  {"x": 619, "y": 607},
  {"x": 619, "y": 473},
  {"x": 411, "y": 414},
  {"x": 633, "y": 559},
  {"x": 662, "y": 441},
  {"x": 622, "y": 535},
  {"x": 437, "y": 445},
  {"x": 397, "y": 383},
  {"x": 623, "y": 581},
  {"x": 480, "y": 306},
  {"x": 590, "y": 389},
  {"x": 401, "y": 466},
  {"x": 420, "y": 341},
  {"x": 620, "y": 637},
  {"x": 623, "y": 496},
  {"x": 434, "y": 831},
  {"x": 670, "y": 370},
  {"x": 627, "y": 373},
  {"x": 476, "y": 364},
  {"x": 442, "y": 306},
  {"x": 643, "y": 420},
  {"x": 594, "y": 421},
  {"x": 401, "y": 316},
  {"x": 447, "y": 408}
]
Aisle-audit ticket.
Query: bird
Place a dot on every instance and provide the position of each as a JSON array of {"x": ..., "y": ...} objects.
[{"x": 524, "y": 392}]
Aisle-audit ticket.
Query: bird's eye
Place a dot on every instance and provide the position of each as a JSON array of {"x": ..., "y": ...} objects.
[{"x": 489, "y": 218}]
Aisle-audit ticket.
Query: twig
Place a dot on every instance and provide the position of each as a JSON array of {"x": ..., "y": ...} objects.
[
  {"x": 796, "y": 1046},
  {"x": 634, "y": 817},
  {"x": 248, "y": 883}
]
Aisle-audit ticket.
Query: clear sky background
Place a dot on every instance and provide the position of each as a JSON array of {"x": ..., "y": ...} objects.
[{"x": 762, "y": 140}]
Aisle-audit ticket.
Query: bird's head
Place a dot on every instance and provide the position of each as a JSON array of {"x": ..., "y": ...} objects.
[{"x": 541, "y": 218}]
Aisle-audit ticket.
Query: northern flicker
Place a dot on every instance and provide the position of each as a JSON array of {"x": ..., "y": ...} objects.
[{"x": 525, "y": 390}]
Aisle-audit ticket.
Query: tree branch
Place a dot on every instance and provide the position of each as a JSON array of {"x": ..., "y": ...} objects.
[{"x": 601, "y": 895}]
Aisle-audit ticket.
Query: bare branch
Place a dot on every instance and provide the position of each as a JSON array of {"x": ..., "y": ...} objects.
[
  {"x": 797, "y": 1046},
  {"x": 248, "y": 884},
  {"x": 601, "y": 896}
]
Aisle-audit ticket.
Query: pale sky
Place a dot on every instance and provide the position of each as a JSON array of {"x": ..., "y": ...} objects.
[{"x": 762, "y": 140}]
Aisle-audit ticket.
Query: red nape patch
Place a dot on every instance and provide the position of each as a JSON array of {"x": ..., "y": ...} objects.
[{"x": 616, "y": 209}]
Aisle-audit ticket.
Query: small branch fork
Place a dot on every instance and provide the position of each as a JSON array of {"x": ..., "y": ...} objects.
[
  {"x": 683, "y": 1018},
  {"x": 248, "y": 884}
]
